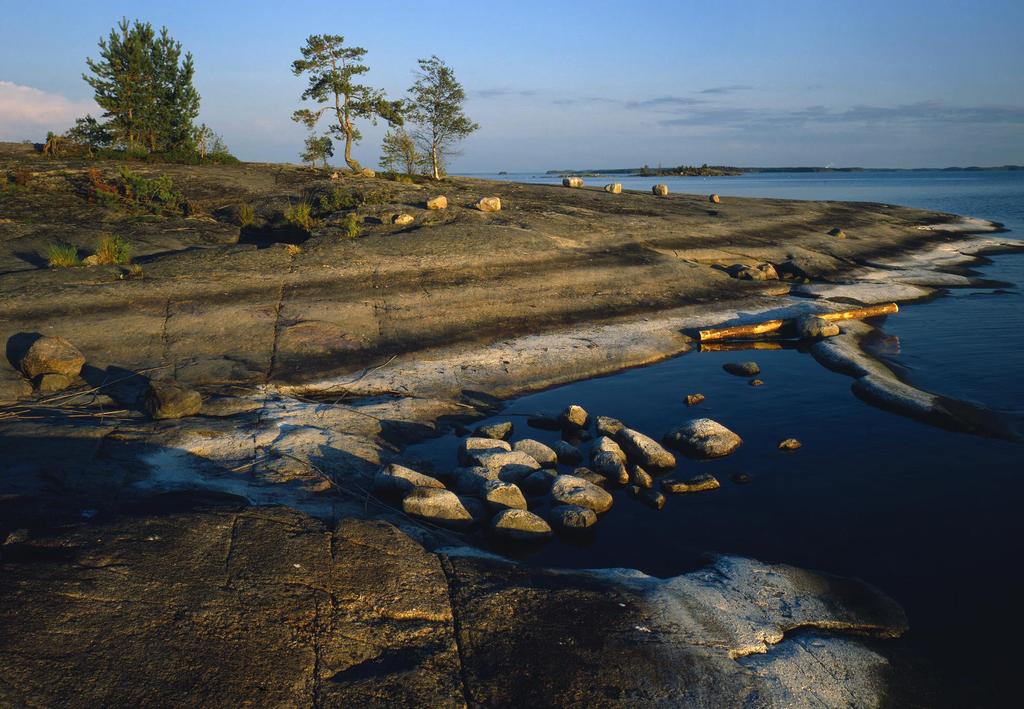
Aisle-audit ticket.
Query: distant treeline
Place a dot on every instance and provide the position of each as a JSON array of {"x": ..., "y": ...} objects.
[{"x": 718, "y": 170}]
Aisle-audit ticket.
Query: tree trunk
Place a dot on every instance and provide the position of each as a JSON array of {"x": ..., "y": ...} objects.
[{"x": 433, "y": 162}]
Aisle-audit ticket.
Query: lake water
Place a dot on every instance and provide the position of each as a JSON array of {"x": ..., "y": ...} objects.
[{"x": 932, "y": 517}]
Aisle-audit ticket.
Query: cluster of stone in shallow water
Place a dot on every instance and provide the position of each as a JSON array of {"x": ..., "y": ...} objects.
[{"x": 517, "y": 492}]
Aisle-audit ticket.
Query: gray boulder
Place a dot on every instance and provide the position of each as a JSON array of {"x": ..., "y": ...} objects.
[
  {"x": 520, "y": 526},
  {"x": 789, "y": 444},
  {"x": 650, "y": 497},
  {"x": 590, "y": 476},
  {"x": 644, "y": 450},
  {"x": 439, "y": 506},
  {"x": 742, "y": 369},
  {"x": 501, "y": 495},
  {"x": 571, "y": 490},
  {"x": 607, "y": 426},
  {"x": 470, "y": 481},
  {"x": 574, "y": 416},
  {"x": 50, "y": 383},
  {"x": 538, "y": 482},
  {"x": 512, "y": 467},
  {"x": 470, "y": 448},
  {"x": 640, "y": 477},
  {"x": 572, "y": 517},
  {"x": 498, "y": 431},
  {"x": 604, "y": 444},
  {"x": 700, "y": 483},
  {"x": 759, "y": 272},
  {"x": 538, "y": 451},
  {"x": 703, "y": 438},
  {"x": 812, "y": 327},
  {"x": 611, "y": 466},
  {"x": 171, "y": 400},
  {"x": 51, "y": 355},
  {"x": 394, "y": 479},
  {"x": 567, "y": 453}
]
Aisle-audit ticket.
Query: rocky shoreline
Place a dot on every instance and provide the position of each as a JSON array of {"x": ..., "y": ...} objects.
[{"x": 252, "y": 530}]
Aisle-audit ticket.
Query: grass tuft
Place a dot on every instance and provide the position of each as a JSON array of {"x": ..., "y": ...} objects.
[
  {"x": 113, "y": 250},
  {"x": 350, "y": 228},
  {"x": 300, "y": 215},
  {"x": 246, "y": 215},
  {"x": 62, "y": 255}
]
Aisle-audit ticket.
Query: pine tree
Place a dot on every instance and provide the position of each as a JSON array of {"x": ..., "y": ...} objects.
[
  {"x": 318, "y": 148},
  {"x": 333, "y": 68},
  {"x": 398, "y": 152},
  {"x": 436, "y": 111},
  {"x": 144, "y": 87}
]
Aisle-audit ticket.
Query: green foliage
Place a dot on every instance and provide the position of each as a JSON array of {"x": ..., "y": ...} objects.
[
  {"x": 133, "y": 272},
  {"x": 398, "y": 152},
  {"x": 350, "y": 226},
  {"x": 144, "y": 86},
  {"x": 300, "y": 215},
  {"x": 62, "y": 255},
  {"x": 158, "y": 194},
  {"x": 435, "y": 109},
  {"x": 318, "y": 148},
  {"x": 246, "y": 215},
  {"x": 332, "y": 70},
  {"x": 113, "y": 250},
  {"x": 90, "y": 135}
]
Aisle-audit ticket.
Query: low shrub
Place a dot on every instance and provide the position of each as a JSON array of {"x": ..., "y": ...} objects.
[
  {"x": 300, "y": 215},
  {"x": 134, "y": 271},
  {"x": 328, "y": 200},
  {"x": 158, "y": 194},
  {"x": 62, "y": 255},
  {"x": 350, "y": 226},
  {"x": 113, "y": 250},
  {"x": 246, "y": 215}
]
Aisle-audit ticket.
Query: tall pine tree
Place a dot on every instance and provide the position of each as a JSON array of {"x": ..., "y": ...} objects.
[{"x": 144, "y": 86}]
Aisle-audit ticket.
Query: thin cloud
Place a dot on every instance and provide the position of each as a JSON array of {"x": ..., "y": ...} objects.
[
  {"x": 664, "y": 103},
  {"x": 726, "y": 89},
  {"x": 502, "y": 92},
  {"x": 28, "y": 113}
]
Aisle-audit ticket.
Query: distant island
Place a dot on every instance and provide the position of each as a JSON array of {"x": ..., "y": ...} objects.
[{"x": 725, "y": 170}]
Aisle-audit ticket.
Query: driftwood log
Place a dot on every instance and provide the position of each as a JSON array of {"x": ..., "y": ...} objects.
[{"x": 761, "y": 328}]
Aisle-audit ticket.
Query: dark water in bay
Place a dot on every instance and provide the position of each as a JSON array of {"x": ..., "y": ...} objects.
[{"x": 932, "y": 517}]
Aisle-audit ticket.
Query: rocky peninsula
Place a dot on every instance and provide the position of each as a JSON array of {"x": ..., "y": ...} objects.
[{"x": 238, "y": 550}]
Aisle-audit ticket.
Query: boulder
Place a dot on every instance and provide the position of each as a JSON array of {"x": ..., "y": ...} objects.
[
  {"x": 789, "y": 444},
  {"x": 703, "y": 438},
  {"x": 367, "y": 172},
  {"x": 611, "y": 466},
  {"x": 545, "y": 422},
  {"x": 572, "y": 182},
  {"x": 51, "y": 355},
  {"x": 644, "y": 450},
  {"x": 498, "y": 431},
  {"x": 92, "y": 260},
  {"x": 470, "y": 448},
  {"x": 742, "y": 369},
  {"x": 403, "y": 219},
  {"x": 489, "y": 204},
  {"x": 171, "y": 400},
  {"x": 650, "y": 497},
  {"x": 572, "y": 518},
  {"x": 501, "y": 495},
  {"x": 394, "y": 479},
  {"x": 520, "y": 526},
  {"x": 837, "y": 232},
  {"x": 607, "y": 426},
  {"x": 756, "y": 382},
  {"x": 471, "y": 480},
  {"x": 640, "y": 477},
  {"x": 613, "y": 188},
  {"x": 567, "y": 453},
  {"x": 538, "y": 482},
  {"x": 50, "y": 383},
  {"x": 714, "y": 198},
  {"x": 438, "y": 506},
  {"x": 699, "y": 483},
  {"x": 574, "y": 416},
  {"x": 694, "y": 399},
  {"x": 538, "y": 451},
  {"x": 511, "y": 467},
  {"x": 590, "y": 476},
  {"x": 571, "y": 490},
  {"x": 438, "y": 202},
  {"x": 812, "y": 327},
  {"x": 757, "y": 272},
  {"x": 604, "y": 444},
  {"x": 660, "y": 190}
]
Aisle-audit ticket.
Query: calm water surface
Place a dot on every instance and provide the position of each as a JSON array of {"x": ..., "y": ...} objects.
[{"x": 932, "y": 517}]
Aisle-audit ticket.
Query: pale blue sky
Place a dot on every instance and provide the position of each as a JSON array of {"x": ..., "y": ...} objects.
[{"x": 585, "y": 84}]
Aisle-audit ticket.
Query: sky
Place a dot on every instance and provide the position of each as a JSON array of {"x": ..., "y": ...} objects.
[{"x": 587, "y": 84}]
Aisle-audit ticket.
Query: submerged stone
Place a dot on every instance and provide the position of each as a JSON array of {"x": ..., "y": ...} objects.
[
  {"x": 742, "y": 369},
  {"x": 572, "y": 517},
  {"x": 789, "y": 444},
  {"x": 699, "y": 483}
]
